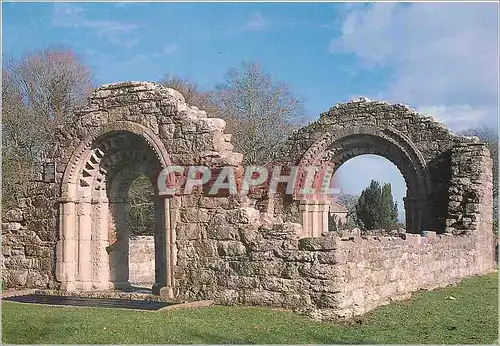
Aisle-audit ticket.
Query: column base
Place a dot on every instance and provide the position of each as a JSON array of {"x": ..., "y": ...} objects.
[
  {"x": 163, "y": 291},
  {"x": 83, "y": 286},
  {"x": 67, "y": 286},
  {"x": 121, "y": 285},
  {"x": 102, "y": 286}
]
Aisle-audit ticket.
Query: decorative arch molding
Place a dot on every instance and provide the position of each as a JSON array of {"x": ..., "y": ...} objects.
[
  {"x": 343, "y": 143},
  {"x": 83, "y": 153},
  {"x": 93, "y": 245},
  {"x": 328, "y": 138}
]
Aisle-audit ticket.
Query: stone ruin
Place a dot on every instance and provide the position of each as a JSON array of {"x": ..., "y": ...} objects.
[{"x": 70, "y": 233}]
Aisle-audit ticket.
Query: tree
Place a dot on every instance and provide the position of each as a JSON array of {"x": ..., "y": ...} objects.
[
  {"x": 389, "y": 208},
  {"x": 192, "y": 93},
  {"x": 141, "y": 219},
  {"x": 375, "y": 208},
  {"x": 490, "y": 137},
  {"x": 260, "y": 113},
  {"x": 350, "y": 201},
  {"x": 40, "y": 91}
]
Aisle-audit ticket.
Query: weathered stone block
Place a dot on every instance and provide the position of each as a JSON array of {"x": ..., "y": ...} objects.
[
  {"x": 231, "y": 248},
  {"x": 329, "y": 286},
  {"x": 243, "y": 216},
  {"x": 263, "y": 298},
  {"x": 15, "y": 226},
  {"x": 18, "y": 278},
  {"x": 6, "y": 250},
  {"x": 210, "y": 202},
  {"x": 262, "y": 256},
  {"x": 227, "y": 297},
  {"x": 242, "y": 282},
  {"x": 295, "y": 256},
  {"x": 222, "y": 232},
  {"x": 14, "y": 215},
  {"x": 325, "y": 299},
  {"x": 296, "y": 301},
  {"x": 329, "y": 257},
  {"x": 261, "y": 268},
  {"x": 194, "y": 215},
  {"x": 188, "y": 231},
  {"x": 317, "y": 271},
  {"x": 272, "y": 284},
  {"x": 204, "y": 248},
  {"x": 262, "y": 245},
  {"x": 318, "y": 244}
]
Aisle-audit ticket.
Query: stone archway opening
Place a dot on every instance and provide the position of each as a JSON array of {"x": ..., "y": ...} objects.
[
  {"x": 141, "y": 207},
  {"x": 341, "y": 145},
  {"x": 97, "y": 215},
  {"x": 351, "y": 145},
  {"x": 356, "y": 174},
  {"x": 141, "y": 224}
]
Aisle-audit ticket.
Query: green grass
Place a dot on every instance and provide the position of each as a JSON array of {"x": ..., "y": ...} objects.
[{"x": 429, "y": 317}]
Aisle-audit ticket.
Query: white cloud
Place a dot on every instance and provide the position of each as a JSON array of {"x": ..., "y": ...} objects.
[
  {"x": 256, "y": 22},
  {"x": 443, "y": 56},
  {"x": 458, "y": 117},
  {"x": 131, "y": 43},
  {"x": 170, "y": 48},
  {"x": 73, "y": 16}
]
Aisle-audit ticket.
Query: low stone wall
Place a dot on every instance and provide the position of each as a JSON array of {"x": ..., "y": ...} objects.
[
  {"x": 374, "y": 271},
  {"x": 142, "y": 260},
  {"x": 326, "y": 277},
  {"x": 27, "y": 256}
]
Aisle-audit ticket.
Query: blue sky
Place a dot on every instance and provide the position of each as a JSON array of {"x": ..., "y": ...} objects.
[{"x": 440, "y": 58}]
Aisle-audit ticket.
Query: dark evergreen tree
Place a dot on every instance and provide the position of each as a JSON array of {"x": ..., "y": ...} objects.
[{"x": 376, "y": 207}]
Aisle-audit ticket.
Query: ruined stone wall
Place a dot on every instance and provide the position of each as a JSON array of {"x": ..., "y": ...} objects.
[
  {"x": 470, "y": 205},
  {"x": 326, "y": 277},
  {"x": 418, "y": 145},
  {"x": 377, "y": 270},
  {"x": 142, "y": 260},
  {"x": 191, "y": 136},
  {"x": 246, "y": 250},
  {"x": 430, "y": 137},
  {"x": 28, "y": 239}
]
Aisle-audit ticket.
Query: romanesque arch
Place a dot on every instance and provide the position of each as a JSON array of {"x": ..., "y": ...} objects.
[
  {"x": 420, "y": 147},
  {"x": 124, "y": 132},
  {"x": 94, "y": 207}
]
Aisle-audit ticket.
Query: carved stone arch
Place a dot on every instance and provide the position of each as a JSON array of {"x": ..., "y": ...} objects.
[
  {"x": 391, "y": 135},
  {"x": 343, "y": 143},
  {"x": 84, "y": 151},
  {"x": 94, "y": 210}
]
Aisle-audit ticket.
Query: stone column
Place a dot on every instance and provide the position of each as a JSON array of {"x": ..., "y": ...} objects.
[
  {"x": 314, "y": 216},
  {"x": 101, "y": 261},
  {"x": 165, "y": 246},
  {"x": 160, "y": 249},
  {"x": 65, "y": 262},
  {"x": 412, "y": 214},
  {"x": 408, "y": 213},
  {"x": 323, "y": 208},
  {"x": 421, "y": 224},
  {"x": 305, "y": 217},
  {"x": 84, "y": 237}
]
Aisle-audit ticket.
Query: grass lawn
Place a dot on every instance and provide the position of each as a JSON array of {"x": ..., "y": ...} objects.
[{"x": 429, "y": 318}]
